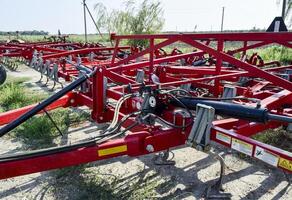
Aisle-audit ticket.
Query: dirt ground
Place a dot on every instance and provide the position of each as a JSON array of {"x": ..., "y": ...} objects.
[{"x": 193, "y": 172}]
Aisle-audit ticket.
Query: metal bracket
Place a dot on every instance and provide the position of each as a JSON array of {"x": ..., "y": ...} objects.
[
  {"x": 229, "y": 92},
  {"x": 91, "y": 56},
  {"x": 199, "y": 136},
  {"x": 186, "y": 87},
  {"x": 285, "y": 76},
  {"x": 140, "y": 76},
  {"x": 243, "y": 80},
  {"x": 288, "y": 71},
  {"x": 180, "y": 113},
  {"x": 33, "y": 60}
]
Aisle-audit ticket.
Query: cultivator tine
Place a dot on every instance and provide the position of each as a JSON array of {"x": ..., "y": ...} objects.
[
  {"x": 54, "y": 85},
  {"x": 216, "y": 191},
  {"x": 163, "y": 158},
  {"x": 91, "y": 56},
  {"x": 46, "y": 83}
]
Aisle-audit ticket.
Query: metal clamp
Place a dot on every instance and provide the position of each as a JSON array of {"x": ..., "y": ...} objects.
[
  {"x": 199, "y": 136},
  {"x": 229, "y": 92}
]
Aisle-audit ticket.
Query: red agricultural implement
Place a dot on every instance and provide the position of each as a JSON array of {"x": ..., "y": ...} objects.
[{"x": 156, "y": 100}]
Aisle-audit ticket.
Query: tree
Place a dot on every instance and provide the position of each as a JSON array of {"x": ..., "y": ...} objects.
[
  {"x": 288, "y": 13},
  {"x": 146, "y": 18}
]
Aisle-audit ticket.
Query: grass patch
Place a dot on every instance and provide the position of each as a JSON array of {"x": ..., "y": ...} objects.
[
  {"x": 15, "y": 95},
  {"x": 91, "y": 184},
  {"x": 279, "y": 138},
  {"x": 274, "y": 53},
  {"x": 38, "y": 131}
]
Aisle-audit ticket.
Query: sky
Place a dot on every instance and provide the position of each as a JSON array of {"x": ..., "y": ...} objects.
[{"x": 180, "y": 15}]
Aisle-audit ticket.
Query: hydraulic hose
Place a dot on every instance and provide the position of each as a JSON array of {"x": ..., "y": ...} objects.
[
  {"x": 44, "y": 104},
  {"x": 61, "y": 149}
]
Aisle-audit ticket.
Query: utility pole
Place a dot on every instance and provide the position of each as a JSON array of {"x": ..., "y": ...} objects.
[
  {"x": 222, "y": 20},
  {"x": 283, "y": 9},
  {"x": 85, "y": 27}
]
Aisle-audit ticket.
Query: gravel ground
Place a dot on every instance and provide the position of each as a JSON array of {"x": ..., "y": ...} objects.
[{"x": 187, "y": 179}]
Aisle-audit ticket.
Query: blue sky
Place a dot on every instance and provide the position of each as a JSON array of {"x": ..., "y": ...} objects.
[{"x": 180, "y": 15}]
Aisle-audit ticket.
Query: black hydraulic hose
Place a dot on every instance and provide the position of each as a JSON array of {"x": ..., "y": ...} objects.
[
  {"x": 43, "y": 104},
  {"x": 62, "y": 149},
  {"x": 45, "y": 152}
]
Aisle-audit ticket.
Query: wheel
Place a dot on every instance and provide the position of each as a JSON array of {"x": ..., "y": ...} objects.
[{"x": 3, "y": 75}]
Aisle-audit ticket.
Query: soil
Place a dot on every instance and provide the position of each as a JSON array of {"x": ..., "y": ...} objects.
[{"x": 192, "y": 173}]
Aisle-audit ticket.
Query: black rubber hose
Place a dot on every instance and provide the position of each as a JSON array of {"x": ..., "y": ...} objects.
[
  {"x": 42, "y": 105},
  {"x": 62, "y": 149},
  {"x": 3, "y": 75},
  {"x": 229, "y": 109},
  {"x": 45, "y": 152}
]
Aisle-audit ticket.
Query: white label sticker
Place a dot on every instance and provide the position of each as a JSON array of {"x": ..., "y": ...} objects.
[
  {"x": 224, "y": 138},
  {"x": 242, "y": 146},
  {"x": 266, "y": 156},
  {"x": 277, "y": 26}
]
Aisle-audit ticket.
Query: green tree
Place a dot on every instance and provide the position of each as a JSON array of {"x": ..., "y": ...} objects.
[
  {"x": 144, "y": 18},
  {"x": 288, "y": 13}
]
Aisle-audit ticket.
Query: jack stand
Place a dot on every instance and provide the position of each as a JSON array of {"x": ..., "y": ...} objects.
[
  {"x": 216, "y": 190},
  {"x": 163, "y": 158}
]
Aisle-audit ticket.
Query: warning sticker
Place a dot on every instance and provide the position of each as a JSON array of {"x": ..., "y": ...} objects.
[
  {"x": 286, "y": 164},
  {"x": 241, "y": 146},
  {"x": 266, "y": 156},
  {"x": 224, "y": 138}
]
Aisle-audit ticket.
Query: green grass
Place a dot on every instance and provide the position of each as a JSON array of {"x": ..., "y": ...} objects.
[
  {"x": 278, "y": 137},
  {"x": 274, "y": 53},
  {"x": 91, "y": 184},
  {"x": 15, "y": 95},
  {"x": 38, "y": 131}
]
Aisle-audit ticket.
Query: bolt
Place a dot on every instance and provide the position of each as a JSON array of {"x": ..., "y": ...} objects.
[
  {"x": 72, "y": 101},
  {"x": 101, "y": 118},
  {"x": 100, "y": 70},
  {"x": 149, "y": 148}
]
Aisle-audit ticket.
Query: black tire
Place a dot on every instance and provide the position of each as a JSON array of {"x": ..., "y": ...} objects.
[{"x": 3, "y": 75}]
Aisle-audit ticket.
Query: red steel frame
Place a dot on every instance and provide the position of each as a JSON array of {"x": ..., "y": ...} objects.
[{"x": 274, "y": 92}]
